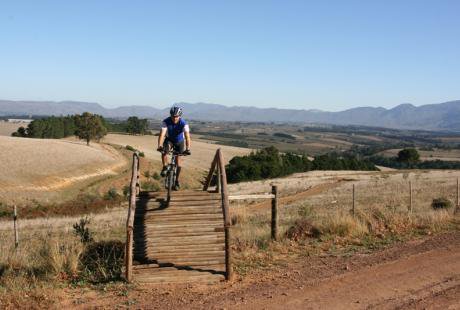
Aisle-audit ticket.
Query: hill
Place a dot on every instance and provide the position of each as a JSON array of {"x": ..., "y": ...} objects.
[
  {"x": 443, "y": 116},
  {"x": 42, "y": 168}
]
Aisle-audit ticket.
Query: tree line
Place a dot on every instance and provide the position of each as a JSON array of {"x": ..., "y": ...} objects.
[
  {"x": 409, "y": 158},
  {"x": 86, "y": 126},
  {"x": 270, "y": 163}
]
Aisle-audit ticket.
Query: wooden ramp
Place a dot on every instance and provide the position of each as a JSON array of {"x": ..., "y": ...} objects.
[
  {"x": 182, "y": 241},
  {"x": 185, "y": 239}
]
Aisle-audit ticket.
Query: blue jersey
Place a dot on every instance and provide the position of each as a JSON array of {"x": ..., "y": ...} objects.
[{"x": 175, "y": 132}]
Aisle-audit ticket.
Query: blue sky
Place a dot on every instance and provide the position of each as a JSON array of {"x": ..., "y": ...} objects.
[{"x": 329, "y": 55}]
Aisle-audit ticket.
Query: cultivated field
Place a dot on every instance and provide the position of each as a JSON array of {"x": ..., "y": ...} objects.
[
  {"x": 202, "y": 151},
  {"x": 435, "y": 154},
  {"x": 42, "y": 168}
]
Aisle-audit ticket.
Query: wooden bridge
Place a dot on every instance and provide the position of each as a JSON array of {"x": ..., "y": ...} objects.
[{"x": 183, "y": 240}]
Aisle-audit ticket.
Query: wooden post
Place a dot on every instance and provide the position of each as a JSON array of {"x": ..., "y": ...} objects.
[
  {"x": 16, "y": 233},
  {"x": 410, "y": 196},
  {"x": 227, "y": 221},
  {"x": 275, "y": 213},
  {"x": 353, "y": 206},
  {"x": 457, "y": 207}
]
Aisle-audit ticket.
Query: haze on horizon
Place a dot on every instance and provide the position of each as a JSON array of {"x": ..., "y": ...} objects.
[{"x": 289, "y": 54}]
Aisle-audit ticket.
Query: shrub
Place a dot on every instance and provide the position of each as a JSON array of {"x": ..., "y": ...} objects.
[
  {"x": 81, "y": 230},
  {"x": 102, "y": 261},
  {"x": 126, "y": 191},
  {"x": 156, "y": 176},
  {"x": 441, "y": 203},
  {"x": 302, "y": 229},
  {"x": 141, "y": 154},
  {"x": 111, "y": 194},
  {"x": 146, "y": 174},
  {"x": 130, "y": 148},
  {"x": 60, "y": 258}
]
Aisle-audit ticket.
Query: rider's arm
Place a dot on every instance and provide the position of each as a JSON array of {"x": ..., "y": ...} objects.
[
  {"x": 161, "y": 137},
  {"x": 188, "y": 141}
]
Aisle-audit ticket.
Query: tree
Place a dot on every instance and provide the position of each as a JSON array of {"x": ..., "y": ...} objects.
[
  {"x": 136, "y": 126},
  {"x": 408, "y": 155},
  {"x": 89, "y": 127}
]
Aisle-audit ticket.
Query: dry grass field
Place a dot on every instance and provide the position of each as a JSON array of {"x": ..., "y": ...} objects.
[
  {"x": 6, "y": 128},
  {"x": 42, "y": 168},
  {"x": 318, "y": 200},
  {"x": 202, "y": 151}
]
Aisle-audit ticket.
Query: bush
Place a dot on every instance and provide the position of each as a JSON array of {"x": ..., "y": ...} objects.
[
  {"x": 130, "y": 148},
  {"x": 102, "y": 261},
  {"x": 126, "y": 191},
  {"x": 81, "y": 230},
  {"x": 146, "y": 174},
  {"x": 156, "y": 176},
  {"x": 441, "y": 203},
  {"x": 302, "y": 229},
  {"x": 141, "y": 154},
  {"x": 111, "y": 194}
]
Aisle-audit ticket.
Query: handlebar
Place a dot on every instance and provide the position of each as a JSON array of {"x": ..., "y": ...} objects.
[{"x": 186, "y": 153}]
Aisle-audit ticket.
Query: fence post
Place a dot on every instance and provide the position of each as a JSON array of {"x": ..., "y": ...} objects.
[
  {"x": 410, "y": 196},
  {"x": 16, "y": 233},
  {"x": 354, "y": 203},
  {"x": 275, "y": 213},
  {"x": 457, "y": 207}
]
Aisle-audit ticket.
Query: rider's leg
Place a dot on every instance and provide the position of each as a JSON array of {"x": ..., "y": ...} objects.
[
  {"x": 179, "y": 168},
  {"x": 164, "y": 157},
  {"x": 180, "y": 147}
]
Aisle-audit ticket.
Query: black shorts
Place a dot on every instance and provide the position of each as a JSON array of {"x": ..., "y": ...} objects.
[{"x": 178, "y": 147}]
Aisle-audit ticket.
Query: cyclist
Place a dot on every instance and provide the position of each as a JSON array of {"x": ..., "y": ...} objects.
[{"x": 174, "y": 135}]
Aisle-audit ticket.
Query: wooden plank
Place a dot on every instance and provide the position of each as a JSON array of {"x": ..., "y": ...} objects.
[
  {"x": 255, "y": 196},
  {"x": 155, "y": 268},
  {"x": 183, "y": 204},
  {"x": 183, "y": 199},
  {"x": 186, "y": 248},
  {"x": 208, "y": 279},
  {"x": 152, "y": 229},
  {"x": 177, "y": 234},
  {"x": 142, "y": 248},
  {"x": 155, "y": 239},
  {"x": 194, "y": 261},
  {"x": 200, "y": 208},
  {"x": 176, "y": 258},
  {"x": 179, "y": 221},
  {"x": 204, "y": 217},
  {"x": 174, "y": 272},
  {"x": 185, "y": 225}
]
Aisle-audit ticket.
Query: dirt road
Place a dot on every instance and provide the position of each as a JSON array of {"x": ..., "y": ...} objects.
[
  {"x": 419, "y": 274},
  {"x": 420, "y": 278}
]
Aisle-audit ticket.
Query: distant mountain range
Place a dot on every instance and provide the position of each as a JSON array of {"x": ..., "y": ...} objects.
[{"x": 443, "y": 116}]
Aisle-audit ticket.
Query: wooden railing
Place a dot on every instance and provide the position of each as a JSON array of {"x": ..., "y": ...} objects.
[
  {"x": 134, "y": 191},
  {"x": 218, "y": 166}
]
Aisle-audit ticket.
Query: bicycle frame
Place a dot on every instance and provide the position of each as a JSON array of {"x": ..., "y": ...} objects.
[{"x": 170, "y": 179}]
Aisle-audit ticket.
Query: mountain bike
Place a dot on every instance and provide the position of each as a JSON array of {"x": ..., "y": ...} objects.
[{"x": 171, "y": 172}]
